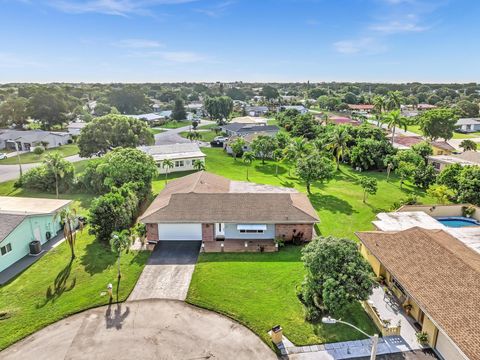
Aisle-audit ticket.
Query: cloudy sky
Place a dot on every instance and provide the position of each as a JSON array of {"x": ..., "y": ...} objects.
[{"x": 244, "y": 40}]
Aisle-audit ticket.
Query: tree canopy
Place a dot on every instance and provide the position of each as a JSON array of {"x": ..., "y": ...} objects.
[{"x": 438, "y": 123}]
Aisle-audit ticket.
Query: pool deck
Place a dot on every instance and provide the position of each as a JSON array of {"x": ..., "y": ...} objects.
[{"x": 399, "y": 221}]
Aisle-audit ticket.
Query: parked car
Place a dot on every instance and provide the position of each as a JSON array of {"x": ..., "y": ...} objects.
[
  {"x": 3, "y": 156},
  {"x": 218, "y": 141}
]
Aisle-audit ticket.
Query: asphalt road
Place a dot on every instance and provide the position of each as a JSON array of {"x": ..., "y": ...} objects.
[
  {"x": 171, "y": 135},
  {"x": 147, "y": 329}
]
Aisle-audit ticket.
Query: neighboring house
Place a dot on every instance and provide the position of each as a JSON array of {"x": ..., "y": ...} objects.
[
  {"x": 438, "y": 147},
  {"x": 423, "y": 107},
  {"x": 27, "y": 140},
  {"x": 249, "y": 120},
  {"x": 248, "y": 141},
  {"x": 468, "y": 158},
  {"x": 239, "y": 129},
  {"x": 151, "y": 117},
  {"x": 256, "y": 110},
  {"x": 300, "y": 108},
  {"x": 468, "y": 125},
  {"x": 229, "y": 215},
  {"x": 339, "y": 120},
  {"x": 23, "y": 220},
  {"x": 74, "y": 128},
  {"x": 367, "y": 108},
  {"x": 196, "y": 108},
  {"x": 438, "y": 277},
  {"x": 182, "y": 155}
]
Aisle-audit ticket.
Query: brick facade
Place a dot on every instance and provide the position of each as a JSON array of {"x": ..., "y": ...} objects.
[
  {"x": 287, "y": 231},
  {"x": 207, "y": 232},
  {"x": 152, "y": 232}
]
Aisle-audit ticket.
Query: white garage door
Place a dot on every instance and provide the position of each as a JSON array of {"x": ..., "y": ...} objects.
[
  {"x": 180, "y": 231},
  {"x": 447, "y": 349}
]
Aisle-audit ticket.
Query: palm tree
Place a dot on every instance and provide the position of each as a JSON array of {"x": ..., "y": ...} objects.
[
  {"x": 120, "y": 241},
  {"x": 394, "y": 100},
  {"x": 167, "y": 164},
  {"x": 468, "y": 145},
  {"x": 395, "y": 119},
  {"x": 379, "y": 104},
  {"x": 338, "y": 144},
  {"x": 248, "y": 158},
  {"x": 54, "y": 162},
  {"x": 277, "y": 155},
  {"x": 198, "y": 165},
  {"x": 69, "y": 217},
  {"x": 194, "y": 135}
]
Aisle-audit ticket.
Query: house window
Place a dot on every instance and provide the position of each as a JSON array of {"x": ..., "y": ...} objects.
[
  {"x": 398, "y": 286},
  {"x": 5, "y": 249},
  {"x": 179, "y": 163},
  {"x": 251, "y": 231}
]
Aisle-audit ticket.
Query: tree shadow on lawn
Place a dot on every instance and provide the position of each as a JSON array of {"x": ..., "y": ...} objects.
[
  {"x": 270, "y": 169},
  {"x": 97, "y": 258},
  {"x": 60, "y": 285},
  {"x": 331, "y": 203},
  {"x": 288, "y": 253}
]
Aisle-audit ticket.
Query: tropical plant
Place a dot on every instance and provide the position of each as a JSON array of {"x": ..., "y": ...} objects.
[
  {"x": 314, "y": 168},
  {"x": 468, "y": 145},
  {"x": 39, "y": 150},
  {"x": 237, "y": 146},
  {"x": 395, "y": 119},
  {"x": 394, "y": 100},
  {"x": 120, "y": 242},
  {"x": 167, "y": 164},
  {"x": 248, "y": 158},
  {"x": 194, "y": 135},
  {"x": 369, "y": 186},
  {"x": 68, "y": 217},
  {"x": 339, "y": 144},
  {"x": 198, "y": 165},
  {"x": 422, "y": 337},
  {"x": 441, "y": 193},
  {"x": 55, "y": 163}
]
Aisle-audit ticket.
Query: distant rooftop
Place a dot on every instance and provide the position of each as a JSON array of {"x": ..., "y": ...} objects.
[{"x": 173, "y": 151}]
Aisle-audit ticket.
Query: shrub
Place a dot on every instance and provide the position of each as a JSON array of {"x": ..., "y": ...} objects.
[
  {"x": 42, "y": 178},
  {"x": 422, "y": 337},
  {"x": 39, "y": 150}
]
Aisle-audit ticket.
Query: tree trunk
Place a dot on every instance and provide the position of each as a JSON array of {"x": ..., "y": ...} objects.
[
  {"x": 393, "y": 135},
  {"x": 56, "y": 184},
  {"x": 276, "y": 169},
  {"x": 338, "y": 162},
  {"x": 364, "y": 196},
  {"x": 119, "y": 273},
  {"x": 308, "y": 189},
  {"x": 247, "y": 174}
]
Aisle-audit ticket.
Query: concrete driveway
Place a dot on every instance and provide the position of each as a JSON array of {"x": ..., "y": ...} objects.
[
  {"x": 168, "y": 272},
  {"x": 171, "y": 135},
  {"x": 148, "y": 329}
]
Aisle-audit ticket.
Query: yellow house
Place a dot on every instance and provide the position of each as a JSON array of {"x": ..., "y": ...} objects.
[
  {"x": 441, "y": 148},
  {"x": 438, "y": 147},
  {"x": 437, "y": 280}
]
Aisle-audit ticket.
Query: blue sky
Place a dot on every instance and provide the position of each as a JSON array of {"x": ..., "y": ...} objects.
[{"x": 244, "y": 40}]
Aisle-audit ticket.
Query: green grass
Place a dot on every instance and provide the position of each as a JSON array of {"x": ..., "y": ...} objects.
[
  {"x": 30, "y": 157},
  {"x": 54, "y": 288},
  {"x": 209, "y": 126},
  {"x": 456, "y": 135},
  {"x": 173, "y": 124},
  {"x": 258, "y": 290},
  {"x": 156, "y": 131},
  {"x": 206, "y": 135}
]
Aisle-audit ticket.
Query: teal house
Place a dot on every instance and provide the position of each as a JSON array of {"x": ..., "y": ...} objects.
[{"x": 23, "y": 220}]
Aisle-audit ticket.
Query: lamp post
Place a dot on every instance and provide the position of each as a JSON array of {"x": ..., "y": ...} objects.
[
  {"x": 374, "y": 338},
  {"x": 19, "y": 161}
]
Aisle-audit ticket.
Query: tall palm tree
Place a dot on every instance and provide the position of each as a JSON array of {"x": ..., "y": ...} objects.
[
  {"x": 69, "y": 219},
  {"x": 394, "y": 100},
  {"x": 198, "y": 165},
  {"x": 120, "y": 242},
  {"x": 379, "y": 104},
  {"x": 167, "y": 164},
  {"x": 395, "y": 119},
  {"x": 338, "y": 144},
  {"x": 277, "y": 155},
  {"x": 54, "y": 162},
  {"x": 248, "y": 158}
]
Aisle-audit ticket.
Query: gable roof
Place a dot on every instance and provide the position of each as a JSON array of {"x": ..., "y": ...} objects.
[
  {"x": 440, "y": 273},
  {"x": 218, "y": 199},
  {"x": 173, "y": 151},
  {"x": 409, "y": 141},
  {"x": 249, "y": 128},
  {"x": 8, "y": 222},
  {"x": 468, "y": 121}
]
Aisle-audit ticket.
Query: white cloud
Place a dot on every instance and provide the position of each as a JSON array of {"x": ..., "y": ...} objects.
[
  {"x": 138, "y": 44},
  {"x": 216, "y": 10},
  {"x": 366, "y": 45},
  {"x": 407, "y": 23},
  {"x": 111, "y": 7}
]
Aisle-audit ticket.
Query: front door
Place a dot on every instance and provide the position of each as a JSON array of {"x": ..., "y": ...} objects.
[{"x": 219, "y": 229}]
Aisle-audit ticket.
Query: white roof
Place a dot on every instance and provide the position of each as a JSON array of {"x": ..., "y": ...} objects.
[
  {"x": 249, "y": 120},
  {"x": 452, "y": 159},
  {"x": 30, "y": 206},
  {"x": 148, "y": 117},
  {"x": 77, "y": 125},
  {"x": 173, "y": 151},
  {"x": 468, "y": 121},
  {"x": 399, "y": 221}
]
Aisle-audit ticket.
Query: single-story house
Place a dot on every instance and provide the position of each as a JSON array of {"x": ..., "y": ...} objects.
[
  {"x": 27, "y": 140},
  {"x": 340, "y": 120},
  {"x": 468, "y": 158},
  {"x": 423, "y": 107},
  {"x": 239, "y": 129},
  {"x": 248, "y": 141},
  {"x": 150, "y": 118},
  {"x": 74, "y": 128},
  {"x": 468, "y": 125},
  {"x": 361, "y": 107},
  {"x": 228, "y": 215},
  {"x": 23, "y": 220},
  {"x": 300, "y": 108},
  {"x": 438, "y": 147},
  {"x": 182, "y": 155},
  {"x": 249, "y": 120},
  {"x": 256, "y": 110},
  {"x": 437, "y": 278}
]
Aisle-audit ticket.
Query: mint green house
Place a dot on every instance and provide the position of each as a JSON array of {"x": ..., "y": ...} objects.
[{"x": 23, "y": 220}]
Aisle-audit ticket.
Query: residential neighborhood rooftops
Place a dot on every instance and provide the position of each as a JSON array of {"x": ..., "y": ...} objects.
[
  {"x": 205, "y": 197},
  {"x": 409, "y": 141},
  {"x": 468, "y": 158},
  {"x": 30, "y": 206},
  {"x": 468, "y": 121},
  {"x": 249, "y": 120},
  {"x": 440, "y": 273},
  {"x": 32, "y": 136},
  {"x": 172, "y": 151},
  {"x": 245, "y": 128},
  {"x": 360, "y": 106},
  {"x": 76, "y": 125},
  {"x": 148, "y": 117}
]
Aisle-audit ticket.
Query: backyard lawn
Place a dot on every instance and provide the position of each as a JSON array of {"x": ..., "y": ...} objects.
[
  {"x": 30, "y": 157},
  {"x": 258, "y": 290}
]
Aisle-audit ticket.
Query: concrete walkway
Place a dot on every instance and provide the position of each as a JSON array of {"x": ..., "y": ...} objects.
[{"x": 149, "y": 329}]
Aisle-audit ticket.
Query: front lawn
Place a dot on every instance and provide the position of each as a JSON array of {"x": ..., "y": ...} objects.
[
  {"x": 207, "y": 136},
  {"x": 30, "y": 157},
  {"x": 54, "y": 288},
  {"x": 173, "y": 124},
  {"x": 259, "y": 290},
  {"x": 156, "y": 131}
]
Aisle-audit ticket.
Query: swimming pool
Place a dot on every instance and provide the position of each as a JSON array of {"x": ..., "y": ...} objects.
[{"x": 457, "y": 221}]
